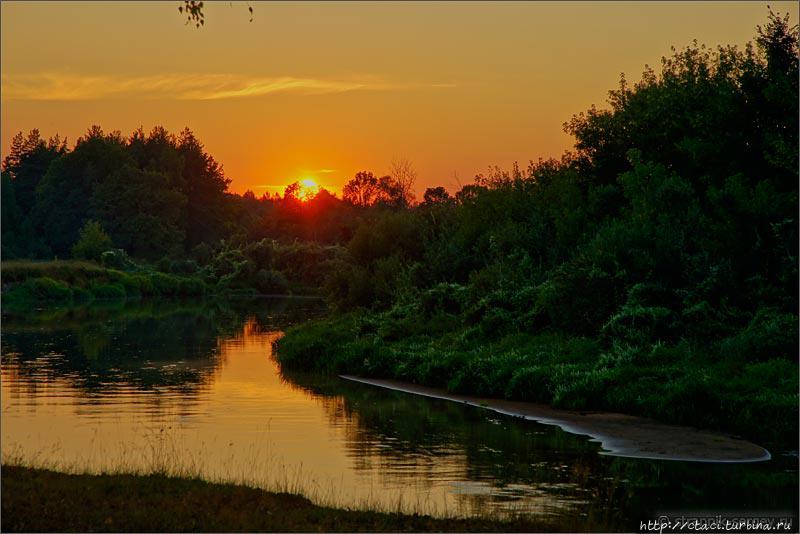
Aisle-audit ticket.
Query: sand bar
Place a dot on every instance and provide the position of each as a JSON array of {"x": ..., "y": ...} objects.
[{"x": 618, "y": 434}]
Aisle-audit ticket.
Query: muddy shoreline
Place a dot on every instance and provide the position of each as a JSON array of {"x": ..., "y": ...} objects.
[{"x": 618, "y": 434}]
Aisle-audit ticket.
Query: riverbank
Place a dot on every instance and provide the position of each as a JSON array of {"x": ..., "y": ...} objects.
[
  {"x": 26, "y": 283},
  {"x": 258, "y": 268},
  {"x": 36, "y": 500},
  {"x": 619, "y": 435},
  {"x": 29, "y": 283},
  {"x": 678, "y": 383}
]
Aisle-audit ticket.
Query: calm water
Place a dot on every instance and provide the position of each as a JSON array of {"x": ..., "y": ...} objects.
[{"x": 193, "y": 388}]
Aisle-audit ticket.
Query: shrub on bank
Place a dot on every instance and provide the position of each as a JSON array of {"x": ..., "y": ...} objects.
[
  {"x": 80, "y": 294},
  {"x": 41, "y": 289},
  {"x": 270, "y": 282},
  {"x": 190, "y": 287},
  {"x": 164, "y": 284},
  {"x": 102, "y": 291},
  {"x": 62, "y": 281},
  {"x": 770, "y": 334},
  {"x": 71, "y": 272},
  {"x": 116, "y": 259}
]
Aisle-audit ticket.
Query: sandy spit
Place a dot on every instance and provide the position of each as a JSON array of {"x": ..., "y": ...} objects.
[{"x": 618, "y": 434}]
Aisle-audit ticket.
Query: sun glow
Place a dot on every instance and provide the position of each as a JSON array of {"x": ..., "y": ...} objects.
[{"x": 308, "y": 189}]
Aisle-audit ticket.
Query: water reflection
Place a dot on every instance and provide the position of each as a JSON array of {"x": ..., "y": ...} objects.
[
  {"x": 498, "y": 462},
  {"x": 150, "y": 346},
  {"x": 191, "y": 386},
  {"x": 485, "y": 462}
]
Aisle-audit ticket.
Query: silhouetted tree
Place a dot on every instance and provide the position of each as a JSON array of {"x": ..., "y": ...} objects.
[
  {"x": 365, "y": 190},
  {"x": 404, "y": 175},
  {"x": 436, "y": 195},
  {"x": 362, "y": 190},
  {"x": 141, "y": 212},
  {"x": 27, "y": 162},
  {"x": 63, "y": 198},
  {"x": 205, "y": 186}
]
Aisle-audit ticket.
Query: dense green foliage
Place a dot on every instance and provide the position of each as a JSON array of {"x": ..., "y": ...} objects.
[
  {"x": 92, "y": 242},
  {"x": 138, "y": 189},
  {"x": 27, "y": 282},
  {"x": 652, "y": 271},
  {"x": 265, "y": 267}
]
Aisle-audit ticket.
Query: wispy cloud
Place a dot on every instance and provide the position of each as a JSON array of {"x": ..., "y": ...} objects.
[{"x": 67, "y": 87}]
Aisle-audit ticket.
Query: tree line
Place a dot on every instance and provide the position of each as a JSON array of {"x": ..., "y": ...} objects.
[{"x": 158, "y": 195}]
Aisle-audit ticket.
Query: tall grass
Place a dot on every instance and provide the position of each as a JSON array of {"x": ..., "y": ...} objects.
[
  {"x": 268, "y": 474},
  {"x": 37, "y": 500},
  {"x": 257, "y": 467}
]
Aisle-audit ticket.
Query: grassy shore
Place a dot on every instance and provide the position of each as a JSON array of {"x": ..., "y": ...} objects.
[
  {"x": 29, "y": 283},
  {"x": 679, "y": 383},
  {"x": 36, "y": 500},
  {"x": 26, "y": 283}
]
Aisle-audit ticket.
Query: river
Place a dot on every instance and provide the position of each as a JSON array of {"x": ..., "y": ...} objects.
[{"x": 192, "y": 388}]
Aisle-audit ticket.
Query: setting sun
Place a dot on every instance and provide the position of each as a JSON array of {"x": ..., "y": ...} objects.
[{"x": 308, "y": 189}]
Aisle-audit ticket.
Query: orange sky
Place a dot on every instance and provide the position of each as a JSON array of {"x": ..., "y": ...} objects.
[{"x": 322, "y": 90}]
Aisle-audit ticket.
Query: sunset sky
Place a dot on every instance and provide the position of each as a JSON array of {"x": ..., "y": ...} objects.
[{"x": 322, "y": 90}]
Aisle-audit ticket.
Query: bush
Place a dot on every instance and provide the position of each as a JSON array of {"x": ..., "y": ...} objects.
[
  {"x": 473, "y": 378},
  {"x": 261, "y": 253},
  {"x": 71, "y": 272},
  {"x": 183, "y": 267},
  {"x": 400, "y": 322},
  {"x": 638, "y": 324},
  {"x": 190, "y": 287},
  {"x": 164, "y": 284},
  {"x": 317, "y": 346},
  {"x": 107, "y": 291},
  {"x": 80, "y": 294},
  {"x": 447, "y": 298},
  {"x": 39, "y": 289},
  {"x": 770, "y": 334},
  {"x": 203, "y": 254},
  {"x": 436, "y": 365},
  {"x": 141, "y": 282},
  {"x": 116, "y": 259},
  {"x": 230, "y": 262},
  {"x": 163, "y": 265},
  {"x": 92, "y": 242},
  {"x": 531, "y": 384},
  {"x": 269, "y": 282},
  {"x": 497, "y": 322},
  {"x": 131, "y": 284},
  {"x": 579, "y": 299},
  {"x": 376, "y": 359},
  {"x": 583, "y": 388},
  {"x": 349, "y": 286}
]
